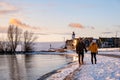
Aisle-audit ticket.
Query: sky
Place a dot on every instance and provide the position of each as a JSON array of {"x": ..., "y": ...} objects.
[{"x": 55, "y": 20}]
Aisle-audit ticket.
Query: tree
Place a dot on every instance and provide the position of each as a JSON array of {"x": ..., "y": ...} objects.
[
  {"x": 4, "y": 46},
  {"x": 14, "y": 39},
  {"x": 14, "y": 35},
  {"x": 28, "y": 41}
]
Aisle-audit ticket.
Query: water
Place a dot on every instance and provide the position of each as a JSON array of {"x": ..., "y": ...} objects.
[{"x": 29, "y": 67}]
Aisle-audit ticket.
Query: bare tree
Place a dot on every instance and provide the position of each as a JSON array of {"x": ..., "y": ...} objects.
[
  {"x": 14, "y": 34},
  {"x": 14, "y": 38},
  {"x": 29, "y": 39},
  {"x": 2, "y": 46}
]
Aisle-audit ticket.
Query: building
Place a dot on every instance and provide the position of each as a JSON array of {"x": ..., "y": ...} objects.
[
  {"x": 71, "y": 44},
  {"x": 109, "y": 42}
]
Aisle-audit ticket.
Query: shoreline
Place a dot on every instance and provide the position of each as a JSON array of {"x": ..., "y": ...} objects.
[{"x": 47, "y": 75}]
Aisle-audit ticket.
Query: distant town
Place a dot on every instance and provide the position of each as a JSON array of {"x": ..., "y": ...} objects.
[{"x": 103, "y": 42}]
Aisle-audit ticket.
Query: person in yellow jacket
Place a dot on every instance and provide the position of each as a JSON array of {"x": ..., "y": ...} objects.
[{"x": 94, "y": 50}]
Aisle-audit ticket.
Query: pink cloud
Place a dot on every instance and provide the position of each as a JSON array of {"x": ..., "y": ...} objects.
[
  {"x": 76, "y": 25},
  {"x": 7, "y": 8},
  {"x": 22, "y": 25}
]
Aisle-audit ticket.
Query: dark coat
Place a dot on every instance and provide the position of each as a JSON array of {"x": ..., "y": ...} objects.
[{"x": 80, "y": 47}]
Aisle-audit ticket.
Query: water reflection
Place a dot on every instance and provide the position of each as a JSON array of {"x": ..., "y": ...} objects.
[
  {"x": 16, "y": 67},
  {"x": 29, "y": 67}
]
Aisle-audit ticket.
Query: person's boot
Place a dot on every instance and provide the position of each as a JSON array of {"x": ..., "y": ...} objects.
[
  {"x": 82, "y": 62},
  {"x": 79, "y": 65},
  {"x": 92, "y": 62},
  {"x": 95, "y": 62}
]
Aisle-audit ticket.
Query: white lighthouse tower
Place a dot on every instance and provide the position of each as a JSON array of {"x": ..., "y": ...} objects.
[{"x": 73, "y": 35}]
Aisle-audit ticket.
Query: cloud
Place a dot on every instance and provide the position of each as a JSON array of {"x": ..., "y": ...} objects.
[
  {"x": 21, "y": 25},
  {"x": 76, "y": 25},
  {"x": 49, "y": 33},
  {"x": 107, "y": 32},
  {"x": 91, "y": 27},
  {"x": 7, "y": 8},
  {"x": 63, "y": 33},
  {"x": 41, "y": 33},
  {"x": 117, "y": 26}
]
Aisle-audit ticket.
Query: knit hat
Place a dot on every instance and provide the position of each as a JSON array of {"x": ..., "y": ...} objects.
[{"x": 94, "y": 41}]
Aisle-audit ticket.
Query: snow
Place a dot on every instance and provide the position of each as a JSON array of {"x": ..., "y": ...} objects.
[
  {"x": 109, "y": 49},
  {"x": 62, "y": 73},
  {"x": 113, "y": 53},
  {"x": 107, "y": 68}
]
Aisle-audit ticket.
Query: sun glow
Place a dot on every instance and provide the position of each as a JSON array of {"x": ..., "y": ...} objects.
[{"x": 13, "y": 21}]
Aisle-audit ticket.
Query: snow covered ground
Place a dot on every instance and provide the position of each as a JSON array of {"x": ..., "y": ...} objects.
[
  {"x": 107, "y": 68},
  {"x": 111, "y": 51}
]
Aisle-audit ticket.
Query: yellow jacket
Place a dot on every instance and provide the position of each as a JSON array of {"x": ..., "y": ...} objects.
[{"x": 93, "y": 47}]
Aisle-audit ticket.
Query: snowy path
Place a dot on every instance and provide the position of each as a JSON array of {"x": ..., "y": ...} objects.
[{"x": 107, "y": 68}]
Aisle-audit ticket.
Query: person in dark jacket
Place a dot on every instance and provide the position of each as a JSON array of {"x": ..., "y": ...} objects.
[{"x": 80, "y": 48}]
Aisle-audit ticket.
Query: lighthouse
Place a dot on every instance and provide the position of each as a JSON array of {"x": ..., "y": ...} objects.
[{"x": 73, "y": 35}]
